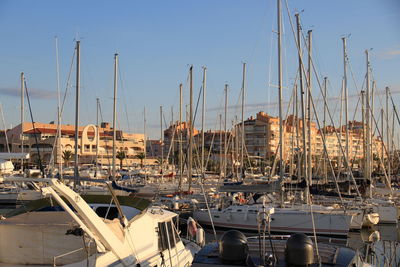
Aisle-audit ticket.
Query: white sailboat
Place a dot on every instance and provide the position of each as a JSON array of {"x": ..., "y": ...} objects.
[{"x": 284, "y": 220}]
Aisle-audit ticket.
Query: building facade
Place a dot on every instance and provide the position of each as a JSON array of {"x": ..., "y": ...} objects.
[
  {"x": 94, "y": 143},
  {"x": 262, "y": 139}
]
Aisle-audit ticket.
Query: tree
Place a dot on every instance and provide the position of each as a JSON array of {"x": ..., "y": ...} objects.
[
  {"x": 141, "y": 156},
  {"x": 121, "y": 156},
  {"x": 67, "y": 156}
]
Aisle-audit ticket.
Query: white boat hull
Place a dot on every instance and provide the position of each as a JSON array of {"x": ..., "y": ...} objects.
[{"x": 282, "y": 221}]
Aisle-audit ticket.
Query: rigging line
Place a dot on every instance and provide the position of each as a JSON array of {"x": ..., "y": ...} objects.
[
  {"x": 68, "y": 85},
  {"x": 310, "y": 96},
  {"x": 325, "y": 103},
  {"x": 61, "y": 108},
  {"x": 5, "y": 128},
  {"x": 274, "y": 165},
  {"x": 319, "y": 62},
  {"x": 34, "y": 129},
  {"x": 381, "y": 160},
  {"x": 124, "y": 98},
  {"x": 328, "y": 112},
  {"x": 197, "y": 105}
]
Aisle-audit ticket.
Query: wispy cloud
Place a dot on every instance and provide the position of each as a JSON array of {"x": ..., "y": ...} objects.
[
  {"x": 33, "y": 93},
  {"x": 389, "y": 54}
]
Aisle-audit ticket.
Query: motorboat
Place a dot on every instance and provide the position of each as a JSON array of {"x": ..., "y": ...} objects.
[{"x": 67, "y": 229}]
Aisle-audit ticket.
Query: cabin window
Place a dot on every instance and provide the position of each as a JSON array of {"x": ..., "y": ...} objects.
[
  {"x": 175, "y": 221},
  {"x": 162, "y": 237},
  {"x": 171, "y": 234},
  {"x": 111, "y": 214},
  {"x": 166, "y": 232}
]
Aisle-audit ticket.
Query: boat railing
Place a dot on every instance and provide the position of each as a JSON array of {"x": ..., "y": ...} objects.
[{"x": 85, "y": 249}]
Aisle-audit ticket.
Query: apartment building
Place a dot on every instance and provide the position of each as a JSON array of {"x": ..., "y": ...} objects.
[{"x": 41, "y": 139}]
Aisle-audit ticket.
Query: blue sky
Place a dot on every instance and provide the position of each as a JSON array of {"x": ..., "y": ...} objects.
[{"x": 158, "y": 40}]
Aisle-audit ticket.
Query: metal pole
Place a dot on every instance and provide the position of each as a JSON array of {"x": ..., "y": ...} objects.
[
  {"x": 305, "y": 173},
  {"x": 78, "y": 59},
  {"x": 172, "y": 144},
  {"x": 346, "y": 95},
  {"x": 388, "y": 134},
  {"x": 115, "y": 115},
  {"x": 22, "y": 119},
  {"x": 144, "y": 133},
  {"x": 291, "y": 171},
  {"x": 180, "y": 140},
  {"x": 280, "y": 85},
  {"x": 98, "y": 133},
  {"x": 363, "y": 129},
  {"x": 382, "y": 132},
  {"x": 242, "y": 130},
  {"x": 340, "y": 130},
  {"x": 202, "y": 122},
  {"x": 161, "y": 144},
  {"x": 368, "y": 125},
  {"x": 190, "y": 161},
  {"x": 323, "y": 132},
  {"x": 298, "y": 166},
  {"x": 59, "y": 157},
  {"x": 220, "y": 146},
  {"x": 310, "y": 165},
  {"x": 225, "y": 129}
]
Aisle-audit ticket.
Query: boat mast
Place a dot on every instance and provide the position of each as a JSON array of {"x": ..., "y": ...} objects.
[
  {"x": 304, "y": 161},
  {"x": 242, "y": 142},
  {"x": 280, "y": 81},
  {"x": 340, "y": 155},
  {"x": 363, "y": 129},
  {"x": 59, "y": 157},
  {"x": 225, "y": 129},
  {"x": 310, "y": 168},
  {"x": 291, "y": 171},
  {"x": 382, "y": 132},
  {"x": 161, "y": 144},
  {"x": 236, "y": 154},
  {"x": 388, "y": 134},
  {"x": 22, "y": 119},
  {"x": 190, "y": 161},
  {"x": 78, "y": 69},
  {"x": 202, "y": 123},
  {"x": 220, "y": 146},
  {"x": 98, "y": 133},
  {"x": 298, "y": 134},
  {"x": 115, "y": 115},
  {"x": 367, "y": 124},
  {"x": 172, "y": 145},
  {"x": 323, "y": 131},
  {"x": 144, "y": 141},
  {"x": 180, "y": 140},
  {"x": 346, "y": 95}
]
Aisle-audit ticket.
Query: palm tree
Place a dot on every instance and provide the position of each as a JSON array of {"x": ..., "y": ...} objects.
[
  {"x": 67, "y": 156},
  {"x": 121, "y": 156},
  {"x": 141, "y": 156}
]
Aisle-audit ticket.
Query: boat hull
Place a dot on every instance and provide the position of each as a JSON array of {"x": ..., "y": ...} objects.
[{"x": 282, "y": 221}]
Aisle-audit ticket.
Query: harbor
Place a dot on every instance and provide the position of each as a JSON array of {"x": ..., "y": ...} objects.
[{"x": 204, "y": 166}]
